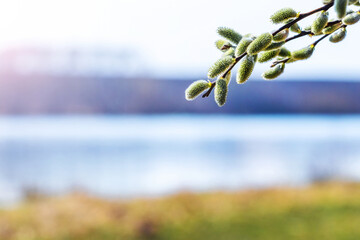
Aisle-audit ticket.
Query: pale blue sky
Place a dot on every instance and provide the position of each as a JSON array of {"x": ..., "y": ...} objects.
[{"x": 171, "y": 37}]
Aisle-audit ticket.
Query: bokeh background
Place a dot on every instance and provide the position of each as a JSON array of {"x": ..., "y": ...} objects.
[{"x": 92, "y": 111}]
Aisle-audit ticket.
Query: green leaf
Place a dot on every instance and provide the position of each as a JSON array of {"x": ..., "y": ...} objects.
[
  {"x": 229, "y": 34},
  {"x": 196, "y": 88}
]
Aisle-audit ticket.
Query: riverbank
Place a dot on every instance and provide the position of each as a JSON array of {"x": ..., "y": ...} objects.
[{"x": 322, "y": 211}]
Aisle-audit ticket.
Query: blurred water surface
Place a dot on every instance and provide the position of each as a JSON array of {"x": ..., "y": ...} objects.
[{"x": 125, "y": 156}]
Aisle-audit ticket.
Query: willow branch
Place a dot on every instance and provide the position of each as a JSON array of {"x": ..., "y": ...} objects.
[{"x": 288, "y": 25}]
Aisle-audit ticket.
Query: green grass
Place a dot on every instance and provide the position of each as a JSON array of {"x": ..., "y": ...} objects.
[{"x": 323, "y": 211}]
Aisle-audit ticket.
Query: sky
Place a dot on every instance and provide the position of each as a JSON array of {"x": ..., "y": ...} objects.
[{"x": 170, "y": 37}]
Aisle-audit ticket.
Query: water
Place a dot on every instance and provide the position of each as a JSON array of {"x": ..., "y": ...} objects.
[{"x": 125, "y": 156}]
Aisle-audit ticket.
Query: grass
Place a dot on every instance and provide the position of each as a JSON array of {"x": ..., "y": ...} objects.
[{"x": 322, "y": 211}]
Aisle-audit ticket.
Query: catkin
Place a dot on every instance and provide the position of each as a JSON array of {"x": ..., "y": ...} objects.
[
  {"x": 260, "y": 43},
  {"x": 303, "y": 53},
  {"x": 221, "y": 91},
  {"x": 242, "y": 46},
  {"x": 229, "y": 34},
  {"x": 196, "y": 88},
  {"x": 284, "y": 52},
  {"x": 274, "y": 72},
  {"x": 281, "y": 36},
  {"x": 222, "y": 45},
  {"x": 220, "y": 66},
  {"x": 340, "y": 8},
  {"x": 352, "y": 18},
  {"x": 338, "y": 36},
  {"x": 268, "y": 55},
  {"x": 320, "y": 22},
  {"x": 283, "y": 15},
  {"x": 275, "y": 45},
  {"x": 246, "y": 68}
]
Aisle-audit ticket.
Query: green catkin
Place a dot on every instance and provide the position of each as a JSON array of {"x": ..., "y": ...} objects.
[
  {"x": 351, "y": 2},
  {"x": 268, "y": 55},
  {"x": 338, "y": 36},
  {"x": 229, "y": 34},
  {"x": 228, "y": 78},
  {"x": 283, "y": 15},
  {"x": 284, "y": 52},
  {"x": 221, "y": 91},
  {"x": 320, "y": 22},
  {"x": 246, "y": 68},
  {"x": 275, "y": 45},
  {"x": 230, "y": 52},
  {"x": 196, "y": 88},
  {"x": 351, "y": 18},
  {"x": 242, "y": 46},
  {"x": 281, "y": 36},
  {"x": 340, "y": 8},
  {"x": 303, "y": 53},
  {"x": 295, "y": 27},
  {"x": 223, "y": 45},
  {"x": 274, "y": 72},
  {"x": 260, "y": 43},
  {"x": 331, "y": 29},
  {"x": 220, "y": 66}
]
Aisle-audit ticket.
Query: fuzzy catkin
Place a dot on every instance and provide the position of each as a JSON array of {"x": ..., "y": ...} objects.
[
  {"x": 220, "y": 66},
  {"x": 246, "y": 68},
  {"x": 274, "y": 72},
  {"x": 260, "y": 43},
  {"x": 340, "y": 8},
  {"x": 196, "y": 88},
  {"x": 283, "y": 15},
  {"x": 229, "y": 34},
  {"x": 221, "y": 91},
  {"x": 303, "y": 53},
  {"x": 320, "y": 22}
]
